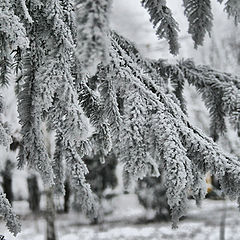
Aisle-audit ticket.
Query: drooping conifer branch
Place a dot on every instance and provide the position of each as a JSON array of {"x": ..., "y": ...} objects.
[
  {"x": 33, "y": 150},
  {"x": 127, "y": 99},
  {"x": 232, "y": 8},
  {"x": 163, "y": 21},
  {"x": 199, "y": 14},
  {"x": 199, "y": 151},
  {"x": 12, "y": 221},
  {"x": 220, "y": 92}
]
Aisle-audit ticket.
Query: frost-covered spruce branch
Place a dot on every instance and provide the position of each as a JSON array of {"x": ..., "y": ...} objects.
[
  {"x": 9, "y": 216},
  {"x": 57, "y": 44},
  {"x": 59, "y": 99},
  {"x": 220, "y": 92},
  {"x": 145, "y": 106},
  {"x": 232, "y": 7},
  {"x": 198, "y": 13}
]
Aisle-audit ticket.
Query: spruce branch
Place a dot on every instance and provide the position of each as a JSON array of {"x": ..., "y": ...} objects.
[
  {"x": 162, "y": 19},
  {"x": 32, "y": 149},
  {"x": 12, "y": 221},
  {"x": 232, "y": 7},
  {"x": 198, "y": 151},
  {"x": 199, "y": 14}
]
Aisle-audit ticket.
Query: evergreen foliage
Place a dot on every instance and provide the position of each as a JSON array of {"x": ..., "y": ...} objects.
[
  {"x": 12, "y": 36},
  {"x": 162, "y": 19},
  {"x": 220, "y": 92},
  {"x": 9, "y": 217},
  {"x": 200, "y": 19},
  {"x": 233, "y": 9},
  {"x": 123, "y": 103}
]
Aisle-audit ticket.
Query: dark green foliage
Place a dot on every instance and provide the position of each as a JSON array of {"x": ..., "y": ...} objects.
[
  {"x": 163, "y": 21},
  {"x": 200, "y": 19},
  {"x": 233, "y": 9}
]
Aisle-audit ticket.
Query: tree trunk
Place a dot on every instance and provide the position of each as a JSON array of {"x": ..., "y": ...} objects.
[
  {"x": 223, "y": 222},
  {"x": 34, "y": 193},
  {"x": 7, "y": 180},
  {"x": 50, "y": 208},
  {"x": 67, "y": 195},
  {"x": 50, "y": 215}
]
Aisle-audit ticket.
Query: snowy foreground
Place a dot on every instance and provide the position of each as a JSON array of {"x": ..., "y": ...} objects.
[{"x": 200, "y": 224}]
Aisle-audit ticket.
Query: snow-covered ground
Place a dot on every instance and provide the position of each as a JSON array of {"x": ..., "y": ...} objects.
[{"x": 124, "y": 224}]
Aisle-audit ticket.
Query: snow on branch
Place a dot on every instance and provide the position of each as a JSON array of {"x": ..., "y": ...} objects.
[
  {"x": 32, "y": 148},
  {"x": 125, "y": 103},
  {"x": 220, "y": 92},
  {"x": 156, "y": 129},
  {"x": 92, "y": 32},
  {"x": 12, "y": 36},
  {"x": 12, "y": 221}
]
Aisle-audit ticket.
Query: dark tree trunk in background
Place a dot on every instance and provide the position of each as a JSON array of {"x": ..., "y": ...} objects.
[
  {"x": 50, "y": 215},
  {"x": 7, "y": 187},
  {"x": 223, "y": 222},
  {"x": 34, "y": 193},
  {"x": 67, "y": 195},
  {"x": 7, "y": 180}
]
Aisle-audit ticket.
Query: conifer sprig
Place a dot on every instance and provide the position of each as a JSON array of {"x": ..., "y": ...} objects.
[
  {"x": 199, "y": 14},
  {"x": 220, "y": 92},
  {"x": 33, "y": 150},
  {"x": 232, "y": 7},
  {"x": 12, "y": 221},
  {"x": 163, "y": 21}
]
